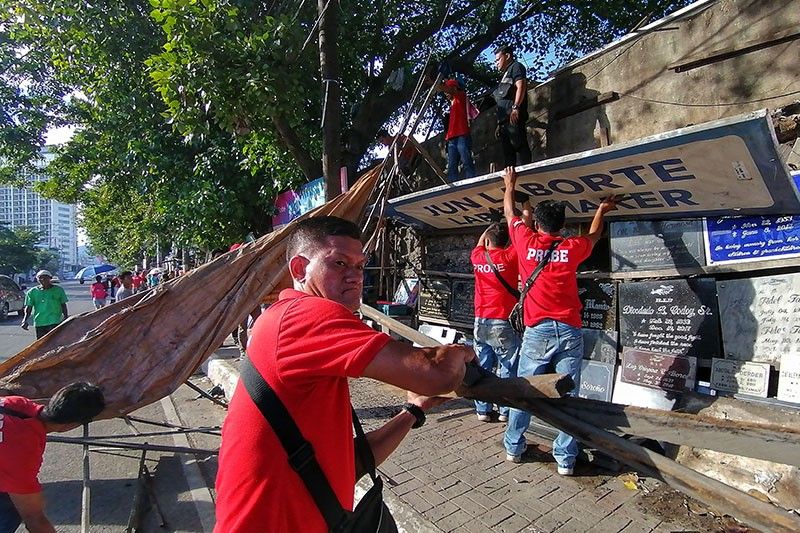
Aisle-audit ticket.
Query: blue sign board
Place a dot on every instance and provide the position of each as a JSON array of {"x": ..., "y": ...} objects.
[{"x": 739, "y": 239}]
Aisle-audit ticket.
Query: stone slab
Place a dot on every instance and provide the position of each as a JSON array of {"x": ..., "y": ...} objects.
[
  {"x": 740, "y": 377},
  {"x": 597, "y": 380},
  {"x": 789, "y": 378}
]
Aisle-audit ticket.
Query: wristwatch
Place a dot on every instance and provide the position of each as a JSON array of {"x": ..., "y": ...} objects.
[
  {"x": 418, "y": 413},
  {"x": 515, "y": 107}
]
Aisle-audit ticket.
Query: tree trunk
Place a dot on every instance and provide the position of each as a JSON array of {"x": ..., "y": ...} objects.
[
  {"x": 331, "y": 110},
  {"x": 310, "y": 167}
]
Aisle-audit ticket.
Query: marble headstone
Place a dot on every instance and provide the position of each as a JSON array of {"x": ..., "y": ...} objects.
[
  {"x": 599, "y": 299},
  {"x": 789, "y": 378},
  {"x": 760, "y": 317},
  {"x": 656, "y": 244},
  {"x": 673, "y": 373},
  {"x": 597, "y": 380},
  {"x": 462, "y": 301},
  {"x": 434, "y": 299},
  {"x": 600, "y": 345},
  {"x": 740, "y": 376}
]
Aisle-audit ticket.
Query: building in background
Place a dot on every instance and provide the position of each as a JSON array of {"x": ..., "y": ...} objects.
[{"x": 56, "y": 221}]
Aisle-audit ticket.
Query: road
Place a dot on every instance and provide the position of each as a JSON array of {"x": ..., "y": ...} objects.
[{"x": 182, "y": 482}]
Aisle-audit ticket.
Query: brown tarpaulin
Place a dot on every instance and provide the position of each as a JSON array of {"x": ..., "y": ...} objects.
[{"x": 143, "y": 348}]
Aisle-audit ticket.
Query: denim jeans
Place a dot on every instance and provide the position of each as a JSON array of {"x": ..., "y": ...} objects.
[
  {"x": 459, "y": 149},
  {"x": 496, "y": 343},
  {"x": 9, "y": 517},
  {"x": 547, "y": 347}
]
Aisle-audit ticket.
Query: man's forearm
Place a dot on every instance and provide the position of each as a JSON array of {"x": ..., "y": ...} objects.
[
  {"x": 40, "y": 525},
  {"x": 521, "y": 93},
  {"x": 27, "y": 314},
  {"x": 508, "y": 203},
  {"x": 596, "y": 228},
  {"x": 384, "y": 440},
  {"x": 64, "y": 311}
]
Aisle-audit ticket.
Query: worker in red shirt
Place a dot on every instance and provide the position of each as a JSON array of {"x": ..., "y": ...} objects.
[
  {"x": 23, "y": 429},
  {"x": 494, "y": 263},
  {"x": 552, "y": 310},
  {"x": 306, "y": 346},
  {"x": 458, "y": 138}
]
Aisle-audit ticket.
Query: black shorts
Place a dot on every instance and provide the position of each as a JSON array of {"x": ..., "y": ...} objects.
[{"x": 41, "y": 331}]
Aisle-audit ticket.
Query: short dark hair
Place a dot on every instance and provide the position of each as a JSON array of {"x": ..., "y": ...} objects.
[
  {"x": 497, "y": 234},
  {"x": 126, "y": 273},
  {"x": 313, "y": 231},
  {"x": 77, "y": 403},
  {"x": 504, "y": 49},
  {"x": 549, "y": 215},
  {"x": 98, "y": 278}
]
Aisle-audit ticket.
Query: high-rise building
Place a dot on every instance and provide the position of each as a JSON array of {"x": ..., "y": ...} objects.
[{"x": 55, "y": 221}]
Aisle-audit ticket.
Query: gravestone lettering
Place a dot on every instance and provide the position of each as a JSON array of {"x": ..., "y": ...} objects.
[
  {"x": 672, "y": 316},
  {"x": 656, "y": 244},
  {"x": 434, "y": 299},
  {"x": 740, "y": 377},
  {"x": 658, "y": 371},
  {"x": 789, "y": 378},
  {"x": 600, "y": 345},
  {"x": 462, "y": 304},
  {"x": 631, "y": 394},
  {"x": 738, "y": 239},
  {"x": 599, "y": 299},
  {"x": 759, "y": 317},
  {"x": 597, "y": 381}
]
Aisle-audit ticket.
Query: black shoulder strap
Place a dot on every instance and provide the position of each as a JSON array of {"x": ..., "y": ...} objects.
[
  {"x": 538, "y": 269},
  {"x": 301, "y": 454},
  {"x": 514, "y": 292},
  {"x": 12, "y": 412}
]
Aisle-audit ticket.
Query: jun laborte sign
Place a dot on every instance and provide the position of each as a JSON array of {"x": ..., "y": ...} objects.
[{"x": 710, "y": 169}]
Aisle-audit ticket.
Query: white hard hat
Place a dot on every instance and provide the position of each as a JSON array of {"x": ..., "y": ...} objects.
[{"x": 44, "y": 273}]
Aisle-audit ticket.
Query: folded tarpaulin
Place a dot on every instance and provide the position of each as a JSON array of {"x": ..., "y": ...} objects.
[{"x": 141, "y": 349}]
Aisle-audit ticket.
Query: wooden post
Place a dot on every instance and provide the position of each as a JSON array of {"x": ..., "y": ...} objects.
[{"x": 331, "y": 107}]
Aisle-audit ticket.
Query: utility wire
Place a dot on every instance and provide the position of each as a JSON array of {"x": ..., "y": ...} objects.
[{"x": 718, "y": 104}]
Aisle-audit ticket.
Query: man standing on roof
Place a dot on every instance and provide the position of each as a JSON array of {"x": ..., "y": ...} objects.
[
  {"x": 23, "y": 429},
  {"x": 47, "y": 302},
  {"x": 306, "y": 346},
  {"x": 458, "y": 138},
  {"x": 496, "y": 280},
  {"x": 511, "y": 96},
  {"x": 552, "y": 310}
]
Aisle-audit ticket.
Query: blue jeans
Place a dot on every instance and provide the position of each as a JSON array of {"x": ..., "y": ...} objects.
[
  {"x": 546, "y": 347},
  {"x": 9, "y": 517},
  {"x": 496, "y": 343},
  {"x": 459, "y": 149}
]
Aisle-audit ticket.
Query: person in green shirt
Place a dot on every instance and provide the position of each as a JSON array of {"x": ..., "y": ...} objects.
[{"x": 48, "y": 303}]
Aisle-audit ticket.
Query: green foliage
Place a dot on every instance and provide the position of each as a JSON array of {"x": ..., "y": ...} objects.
[
  {"x": 18, "y": 252},
  {"x": 47, "y": 259}
]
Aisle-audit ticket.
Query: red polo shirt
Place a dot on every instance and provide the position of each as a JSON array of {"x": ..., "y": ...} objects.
[
  {"x": 458, "y": 124},
  {"x": 305, "y": 347},
  {"x": 554, "y": 294},
  {"x": 492, "y": 299},
  {"x": 22, "y": 442}
]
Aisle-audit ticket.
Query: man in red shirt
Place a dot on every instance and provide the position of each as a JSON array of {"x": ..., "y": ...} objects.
[
  {"x": 23, "y": 428},
  {"x": 496, "y": 342},
  {"x": 306, "y": 346},
  {"x": 552, "y": 310},
  {"x": 459, "y": 141}
]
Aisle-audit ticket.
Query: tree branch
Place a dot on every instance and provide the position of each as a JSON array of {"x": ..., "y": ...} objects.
[{"x": 311, "y": 167}]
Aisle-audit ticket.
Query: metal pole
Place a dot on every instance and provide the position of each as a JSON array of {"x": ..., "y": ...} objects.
[{"x": 85, "y": 495}]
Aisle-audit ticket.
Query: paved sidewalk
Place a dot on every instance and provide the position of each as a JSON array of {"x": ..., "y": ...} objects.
[{"x": 451, "y": 475}]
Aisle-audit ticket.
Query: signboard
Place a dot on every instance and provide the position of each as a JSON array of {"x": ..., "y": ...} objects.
[
  {"x": 709, "y": 169},
  {"x": 759, "y": 317},
  {"x": 599, "y": 299},
  {"x": 656, "y": 244},
  {"x": 658, "y": 371},
  {"x": 740, "y": 377},
  {"x": 672, "y": 316},
  {"x": 291, "y": 204},
  {"x": 462, "y": 301},
  {"x": 434, "y": 299},
  {"x": 789, "y": 378},
  {"x": 597, "y": 381},
  {"x": 741, "y": 239}
]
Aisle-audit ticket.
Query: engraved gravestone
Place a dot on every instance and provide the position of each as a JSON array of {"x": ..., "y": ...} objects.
[
  {"x": 760, "y": 317},
  {"x": 672, "y": 316},
  {"x": 597, "y": 381},
  {"x": 740, "y": 376},
  {"x": 673, "y": 373},
  {"x": 789, "y": 378},
  {"x": 600, "y": 345},
  {"x": 656, "y": 244},
  {"x": 599, "y": 299},
  {"x": 434, "y": 299},
  {"x": 462, "y": 304}
]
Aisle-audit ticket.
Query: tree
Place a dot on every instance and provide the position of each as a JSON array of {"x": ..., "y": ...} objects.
[
  {"x": 47, "y": 259},
  {"x": 17, "y": 249}
]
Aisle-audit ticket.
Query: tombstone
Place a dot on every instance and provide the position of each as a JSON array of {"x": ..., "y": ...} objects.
[
  {"x": 789, "y": 378},
  {"x": 673, "y": 373},
  {"x": 740, "y": 377},
  {"x": 462, "y": 301},
  {"x": 656, "y": 244},
  {"x": 597, "y": 380},
  {"x": 434, "y": 299},
  {"x": 738, "y": 239},
  {"x": 600, "y": 345},
  {"x": 640, "y": 396},
  {"x": 759, "y": 317},
  {"x": 672, "y": 316},
  {"x": 599, "y": 299}
]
